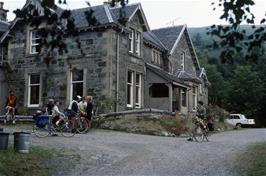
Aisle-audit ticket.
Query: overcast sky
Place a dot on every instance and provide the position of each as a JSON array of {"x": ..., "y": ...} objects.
[{"x": 162, "y": 13}]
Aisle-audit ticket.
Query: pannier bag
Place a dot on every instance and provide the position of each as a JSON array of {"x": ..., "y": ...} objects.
[{"x": 42, "y": 120}]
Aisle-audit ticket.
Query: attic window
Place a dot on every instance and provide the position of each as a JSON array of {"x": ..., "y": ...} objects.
[
  {"x": 35, "y": 42},
  {"x": 156, "y": 57},
  {"x": 131, "y": 40},
  {"x": 134, "y": 42},
  {"x": 183, "y": 60}
]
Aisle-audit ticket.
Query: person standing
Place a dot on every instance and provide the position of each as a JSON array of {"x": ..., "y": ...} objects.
[
  {"x": 11, "y": 102},
  {"x": 82, "y": 107},
  {"x": 89, "y": 109}
]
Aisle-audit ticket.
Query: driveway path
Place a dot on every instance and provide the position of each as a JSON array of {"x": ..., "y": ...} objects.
[{"x": 115, "y": 153}]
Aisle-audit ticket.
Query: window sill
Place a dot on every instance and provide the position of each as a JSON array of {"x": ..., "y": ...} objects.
[
  {"x": 134, "y": 55},
  {"x": 32, "y": 55}
]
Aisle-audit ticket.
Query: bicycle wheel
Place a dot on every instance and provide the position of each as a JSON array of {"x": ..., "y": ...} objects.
[
  {"x": 198, "y": 133},
  {"x": 67, "y": 128},
  {"x": 82, "y": 125},
  {"x": 41, "y": 131}
]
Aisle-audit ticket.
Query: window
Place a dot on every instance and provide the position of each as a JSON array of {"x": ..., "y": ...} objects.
[
  {"x": 138, "y": 90},
  {"x": 200, "y": 88},
  {"x": 77, "y": 82},
  {"x": 130, "y": 89},
  {"x": 131, "y": 41},
  {"x": 183, "y": 60},
  {"x": 35, "y": 40},
  {"x": 134, "y": 41},
  {"x": 156, "y": 57},
  {"x": 194, "y": 97},
  {"x": 34, "y": 90},
  {"x": 137, "y": 43},
  {"x": 184, "y": 97}
]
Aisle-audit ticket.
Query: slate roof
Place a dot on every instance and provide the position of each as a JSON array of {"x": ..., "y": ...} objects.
[
  {"x": 3, "y": 26},
  {"x": 165, "y": 75},
  {"x": 151, "y": 37},
  {"x": 101, "y": 13},
  {"x": 183, "y": 75},
  {"x": 168, "y": 35}
]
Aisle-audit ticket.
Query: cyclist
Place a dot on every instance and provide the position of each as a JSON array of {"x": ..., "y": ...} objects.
[
  {"x": 11, "y": 102},
  {"x": 56, "y": 113},
  {"x": 200, "y": 117},
  {"x": 49, "y": 107}
]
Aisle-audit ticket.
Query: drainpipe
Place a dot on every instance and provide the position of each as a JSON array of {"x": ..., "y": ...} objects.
[{"x": 117, "y": 67}]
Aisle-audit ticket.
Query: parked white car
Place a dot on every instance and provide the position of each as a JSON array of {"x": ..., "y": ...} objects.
[{"x": 240, "y": 120}]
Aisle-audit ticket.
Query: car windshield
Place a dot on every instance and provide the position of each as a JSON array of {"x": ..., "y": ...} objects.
[{"x": 243, "y": 116}]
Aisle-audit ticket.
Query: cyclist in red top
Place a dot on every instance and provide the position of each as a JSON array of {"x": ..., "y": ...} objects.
[{"x": 11, "y": 102}]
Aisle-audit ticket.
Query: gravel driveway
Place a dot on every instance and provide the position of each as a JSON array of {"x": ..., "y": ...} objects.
[{"x": 115, "y": 153}]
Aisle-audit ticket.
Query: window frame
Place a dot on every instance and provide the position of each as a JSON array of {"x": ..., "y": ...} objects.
[
  {"x": 137, "y": 42},
  {"x": 183, "y": 60},
  {"x": 194, "y": 98},
  {"x": 131, "y": 40},
  {"x": 76, "y": 82},
  {"x": 35, "y": 43},
  {"x": 138, "y": 91},
  {"x": 130, "y": 89},
  {"x": 29, "y": 90},
  {"x": 183, "y": 93}
]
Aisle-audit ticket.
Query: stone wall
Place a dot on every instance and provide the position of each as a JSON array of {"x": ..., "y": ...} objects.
[{"x": 3, "y": 90}]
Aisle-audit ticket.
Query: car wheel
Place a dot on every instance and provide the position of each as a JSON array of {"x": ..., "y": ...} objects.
[{"x": 238, "y": 126}]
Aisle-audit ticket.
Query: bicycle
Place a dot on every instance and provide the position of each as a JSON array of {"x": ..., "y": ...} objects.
[
  {"x": 201, "y": 131},
  {"x": 81, "y": 124},
  {"x": 43, "y": 127}
]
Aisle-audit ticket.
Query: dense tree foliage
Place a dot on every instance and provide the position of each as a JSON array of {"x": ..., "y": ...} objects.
[
  {"x": 239, "y": 88},
  {"x": 231, "y": 38}
]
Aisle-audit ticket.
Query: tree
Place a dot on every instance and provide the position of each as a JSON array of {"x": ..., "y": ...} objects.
[
  {"x": 231, "y": 37},
  {"x": 246, "y": 92}
]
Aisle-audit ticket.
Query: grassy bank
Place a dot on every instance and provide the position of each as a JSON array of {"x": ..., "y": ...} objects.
[
  {"x": 252, "y": 162},
  {"x": 34, "y": 163},
  {"x": 38, "y": 162}
]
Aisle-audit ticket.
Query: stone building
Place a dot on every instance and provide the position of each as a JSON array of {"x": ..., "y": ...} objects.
[
  {"x": 127, "y": 65},
  {"x": 3, "y": 82}
]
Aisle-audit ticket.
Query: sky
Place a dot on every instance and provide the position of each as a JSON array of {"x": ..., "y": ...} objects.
[{"x": 162, "y": 13}]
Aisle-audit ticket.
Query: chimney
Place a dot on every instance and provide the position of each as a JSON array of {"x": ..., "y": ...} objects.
[{"x": 3, "y": 12}]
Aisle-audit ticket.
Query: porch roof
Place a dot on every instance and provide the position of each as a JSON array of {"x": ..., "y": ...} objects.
[
  {"x": 166, "y": 76},
  {"x": 183, "y": 75}
]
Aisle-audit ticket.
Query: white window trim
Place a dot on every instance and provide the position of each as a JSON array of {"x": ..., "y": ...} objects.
[
  {"x": 183, "y": 59},
  {"x": 138, "y": 85},
  {"x": 131, "y": 41},
  {"x": 31, "y": 42},
  {"x": 131, "y": 89},
  {"x": 73, "y": 82},
  {"x": 194, "y": 97},
  {"x": 200, "y": 89},
  {"x": 137, "y": 40},
  {"x": 182, "y": 96},
  {"x": 29, "y": 90}
]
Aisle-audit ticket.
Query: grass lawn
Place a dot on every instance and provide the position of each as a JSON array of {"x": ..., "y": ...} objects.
[
  {"x": 35, "y": 163},
  {"x": 252, "y": 162}
]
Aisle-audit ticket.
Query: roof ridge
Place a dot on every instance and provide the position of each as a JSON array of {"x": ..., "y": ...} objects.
[
  {"x": 108, "y": 13},
  {"x": 116, "y": 7},
  {"x": 168, "y": 27}
]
